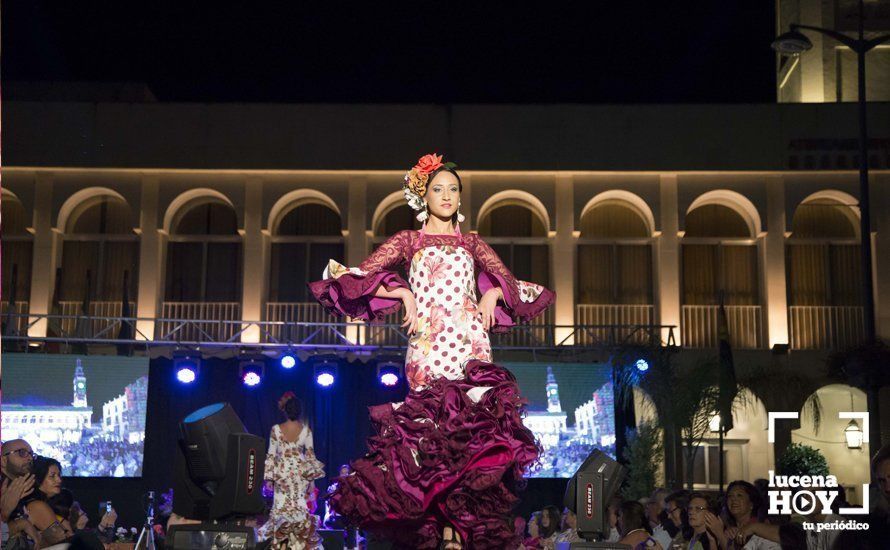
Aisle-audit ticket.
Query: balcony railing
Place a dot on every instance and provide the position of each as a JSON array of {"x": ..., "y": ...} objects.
[
  {"x": 198, "y": 321},
  {"x": 98, "y": 312},
  {"x": 825, "y": 327},
  {"x": 699, "y": 326},
  {"x": 616, "y": 322},
  {"x": 19, "y": 320},
  {"x": 288, "y": 313}
]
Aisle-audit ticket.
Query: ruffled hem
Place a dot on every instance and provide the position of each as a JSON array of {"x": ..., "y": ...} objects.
[
  {"x": 513, "y": 310},
  {"x": 443, "y": 459},
  {"x": 289, "y": 533},
  {"x": 353, "y": 295}
]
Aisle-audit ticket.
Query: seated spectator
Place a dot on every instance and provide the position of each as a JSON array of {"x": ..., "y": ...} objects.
[
  {"x": 550, "y": 521},
  {"x": 657, "y": 517},
  {"x": 569, "y": 527},
  {"x": 742, "y": 507},
  {"x": 51, "y": 528},
  {"x": 16, "y": 484},
  {"x": 634, "y": 527},
  {"x": 612, "y": 515},
  {"x": 533, "y": 540},
  {"x": 700, "y": 505},
  {"x": 676, "y": 507}
]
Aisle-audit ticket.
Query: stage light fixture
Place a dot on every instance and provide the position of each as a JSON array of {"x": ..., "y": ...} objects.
[
  {"x": 325, "y": 373},
  {"x": 251, "y": 370},
  {"x": 642, "y": 365},
  {"x": 186, "y": 365},
  {"x": 389, "y": 373},
  {"x": 288, "y": 361}
]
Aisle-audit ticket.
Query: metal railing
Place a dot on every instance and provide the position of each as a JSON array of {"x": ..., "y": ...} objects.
[
  {"x": 97, "y": 312},
  {"x": 288, "y": 313},
  {"x": 19, "y": 320},
  {"x": 195, "y": 321},
  {"x": 699, "y": 325},
  {"x": 613, "y": 315},
  {"x": 318, "y": 335},
  {"x": 825, "y": 327}
]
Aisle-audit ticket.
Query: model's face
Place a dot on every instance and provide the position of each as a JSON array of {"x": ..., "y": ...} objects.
[
  {"x": 739, "y": 503},
  {"x": 443, "y": 195},
  {"x": 697, "y": 509},
  {"x": 883, "y": 475},
  {"x": 52, "y": 484},
  {"x": 17, "y": 458}
]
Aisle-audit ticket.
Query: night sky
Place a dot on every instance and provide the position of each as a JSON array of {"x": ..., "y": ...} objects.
[{"x": 473, "y": 52}]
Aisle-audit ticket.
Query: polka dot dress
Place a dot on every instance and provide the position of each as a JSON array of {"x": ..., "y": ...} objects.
[{"x": 449, "y": 323}]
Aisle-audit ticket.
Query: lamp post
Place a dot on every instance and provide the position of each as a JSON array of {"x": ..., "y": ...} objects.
[{"x": 794, "y": 43}]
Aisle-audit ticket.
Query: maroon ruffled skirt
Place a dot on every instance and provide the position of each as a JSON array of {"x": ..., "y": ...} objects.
[{"x": 441, "y": 459}]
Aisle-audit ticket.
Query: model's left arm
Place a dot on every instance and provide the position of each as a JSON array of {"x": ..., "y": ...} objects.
[{"x": 521, "y": 300}]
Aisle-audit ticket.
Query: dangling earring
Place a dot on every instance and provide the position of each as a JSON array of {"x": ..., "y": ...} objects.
[
  {"x": 460, "y": 217},
  {"x": 423, "y": 215}
]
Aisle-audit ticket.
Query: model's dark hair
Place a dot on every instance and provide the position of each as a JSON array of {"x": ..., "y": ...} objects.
[
  {"x": 453, "y": 172},
  {"x": 633, "y": 516},
  {"x": 292, "y": 408}
]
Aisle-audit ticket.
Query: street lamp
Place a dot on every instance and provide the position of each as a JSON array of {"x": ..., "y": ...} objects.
[{"x": 794, "y": 43}]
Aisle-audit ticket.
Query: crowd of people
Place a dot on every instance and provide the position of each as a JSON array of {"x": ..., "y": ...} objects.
[{"x": 737, "y": 519}]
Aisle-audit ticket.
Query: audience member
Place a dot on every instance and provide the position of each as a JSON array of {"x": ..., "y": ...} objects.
[
  {"x": 676, "y": 505},
  {"x": 633, "y": 526},
  {"x": 700, "y": 505},
  {"x": 569, "y": 528}
]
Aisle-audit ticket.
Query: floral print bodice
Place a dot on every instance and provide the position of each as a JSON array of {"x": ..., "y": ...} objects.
[{"x": 447, "y": 274}]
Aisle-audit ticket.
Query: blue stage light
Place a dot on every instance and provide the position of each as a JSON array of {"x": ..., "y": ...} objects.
[
  {"x": 186, "y": 365},
  {"x": 642, "y": 365},
  {"x": 388, "y": 373},
  {"x": 325, "y": 379},
  {"x": 186, "y": 375},
  {"x": 252, "y": 370},
  {"x": 288, "y": 361}
]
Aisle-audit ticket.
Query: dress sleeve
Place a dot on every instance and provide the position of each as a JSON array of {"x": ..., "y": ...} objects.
[
  {"x": 350, "y": 290},
  {"x": 522, "y": 300},
  {"x": 313, "y": 468},
  {"x": 271, "y": 466}
]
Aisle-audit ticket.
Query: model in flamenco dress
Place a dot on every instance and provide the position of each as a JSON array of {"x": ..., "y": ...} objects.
[{"x": 445, "y": 463}]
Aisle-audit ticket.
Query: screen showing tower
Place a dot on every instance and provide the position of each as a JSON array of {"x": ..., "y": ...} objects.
[
  {"x": 88, "y": 412},
  {"x": 571, "y": 412}
]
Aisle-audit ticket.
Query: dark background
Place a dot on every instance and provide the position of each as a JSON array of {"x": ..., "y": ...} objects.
[{"x": 440, "y": 52}]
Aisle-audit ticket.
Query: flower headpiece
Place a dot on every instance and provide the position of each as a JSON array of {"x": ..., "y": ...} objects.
[
  {"x": 287, "y": 396},
  {"x": 417, "y": 179}
]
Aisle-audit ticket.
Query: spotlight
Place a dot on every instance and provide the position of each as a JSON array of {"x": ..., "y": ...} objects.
[
  {"x": 642, "y": 365},
  {"x": 388, "y": 373},
  {"x": 325, "y": 373},
  {"x": 186, "y": 364},
  {"x": 288, "y": 361},
  {"x": 251, "y": 370}
]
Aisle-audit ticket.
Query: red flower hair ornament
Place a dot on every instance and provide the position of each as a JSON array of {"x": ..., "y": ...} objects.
[{"x": 417, "y": 179}]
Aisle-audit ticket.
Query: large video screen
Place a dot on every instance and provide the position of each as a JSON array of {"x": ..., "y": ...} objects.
[
  {"x": 87, "y": 412},
  {"x": 571, "y": 411}
]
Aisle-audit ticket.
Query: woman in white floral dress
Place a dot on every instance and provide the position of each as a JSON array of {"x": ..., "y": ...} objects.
[
  {"x": 444, "y": 465},
  {"x": 291, "y": 469}
]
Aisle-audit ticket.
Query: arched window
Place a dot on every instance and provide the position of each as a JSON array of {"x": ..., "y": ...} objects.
[
  {"x": 306, "y": 238},
  {"x": 517, "y": 232},
  {"x": 204, "y": 266},
  {"x": 100, "y": 242},
  {"x": 614, "y": 266},
  {"x": 17, "y": 253},
  {"x": 398, "y": 219},
  {"x": 519, "y": 236},
  {"x": 720, "y": 258},
  {"x": 824, "y": 274}
]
